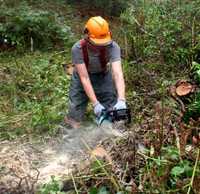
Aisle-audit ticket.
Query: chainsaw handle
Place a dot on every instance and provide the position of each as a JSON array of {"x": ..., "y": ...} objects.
[
  {"x": 120, "y": 114},
  {"x": 115, "y": 115},
  {"x": 102, "y": 117}
]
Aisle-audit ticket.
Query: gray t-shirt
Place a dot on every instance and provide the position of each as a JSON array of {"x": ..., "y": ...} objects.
[{"x": 112, "y": 54}]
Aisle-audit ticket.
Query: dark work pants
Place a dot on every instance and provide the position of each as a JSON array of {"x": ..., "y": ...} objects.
[{"x": 103, "y": 87}]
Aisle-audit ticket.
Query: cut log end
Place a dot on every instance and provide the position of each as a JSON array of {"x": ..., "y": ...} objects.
[{"x": 184, "y": 88}]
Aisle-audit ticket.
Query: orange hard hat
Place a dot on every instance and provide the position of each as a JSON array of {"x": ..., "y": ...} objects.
[{"x": 98, "y": 30}]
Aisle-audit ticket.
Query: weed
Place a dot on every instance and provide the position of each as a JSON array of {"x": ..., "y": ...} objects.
[
  {"x": 23, "y": 27},
  {"x": 54, "y": 187},
  {"x": 34, "y": 91}
]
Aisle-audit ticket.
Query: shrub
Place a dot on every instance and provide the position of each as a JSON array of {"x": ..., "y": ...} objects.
[
  {"x": 34, "y": 90},
  {"x": 193, "y": 108},
  {"x": 110, "y": 7},
  {"x": 196, "y": 71},
  {"x": 24, "y": 27},
  {"x": 163, "y": 30}
]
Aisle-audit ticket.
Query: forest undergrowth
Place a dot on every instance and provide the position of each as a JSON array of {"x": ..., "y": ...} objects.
[{"x": 160, "y": 46}]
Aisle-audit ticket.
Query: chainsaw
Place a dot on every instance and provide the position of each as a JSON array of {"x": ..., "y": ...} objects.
[{"x": 115, "y": 115}]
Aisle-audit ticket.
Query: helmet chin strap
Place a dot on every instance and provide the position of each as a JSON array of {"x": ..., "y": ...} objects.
[
  {"x": 85, "y": 31},
  {"x": 86, "y": 37},
  {"x": 92, "y": 45}
]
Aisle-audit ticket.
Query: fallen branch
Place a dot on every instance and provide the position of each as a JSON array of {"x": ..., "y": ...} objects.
[
  {"x": 194, "y": 171},
  {"x": 74, "y": 184}
]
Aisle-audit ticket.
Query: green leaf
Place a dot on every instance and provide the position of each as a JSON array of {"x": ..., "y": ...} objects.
[
  {"x": 103, "y": 190},
  {"x": 93, "y": 190},
  {"x": 177, "y": 171},
  {"x": 158, "y": 162},
  {"x": 187, "y": 168},
  {"x": 195, "y": 65}
]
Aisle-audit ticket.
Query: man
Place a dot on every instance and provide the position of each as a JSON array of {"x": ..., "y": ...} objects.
[{"x": 97, "y": 75}]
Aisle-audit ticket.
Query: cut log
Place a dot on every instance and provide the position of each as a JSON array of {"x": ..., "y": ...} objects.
[
  {"x": 184, "y": 88},
  {"x": 181, "y": 91}
]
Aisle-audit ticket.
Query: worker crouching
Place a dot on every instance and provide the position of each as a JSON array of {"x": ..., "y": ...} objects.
[{"x": 97, "y": 76}]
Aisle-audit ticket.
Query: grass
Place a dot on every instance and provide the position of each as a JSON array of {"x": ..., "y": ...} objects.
[
  {"x": 34, "y": 86},
  {"x": 34, "y": 90}
]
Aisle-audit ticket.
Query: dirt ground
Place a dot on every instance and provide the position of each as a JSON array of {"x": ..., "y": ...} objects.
[{"x": 26, "y": 163}]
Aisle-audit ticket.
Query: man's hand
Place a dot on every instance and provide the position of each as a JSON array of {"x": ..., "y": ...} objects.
[
  {"x": 121, "y": 104},
  {"x": 98, "y": 108}
]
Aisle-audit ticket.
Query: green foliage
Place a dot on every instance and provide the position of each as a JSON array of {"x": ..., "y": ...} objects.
[
  {"x": 167, "y": 171},
  {"x": 159, "y": 40},
  {"x": 34, "y": 90},
  {"x": 162, "y": 30},
  {"x": 182, "y": 169},
  {"x": 196, "y": 71},
  {"x": 101, "y": 190},
  {"x": 53, "y": 187},
  {"x": 96, "y": 166},
  {"x": 22, "y": 26},
  {"x": 110, "y": 7},
  {"x": 193, "y": 108}
]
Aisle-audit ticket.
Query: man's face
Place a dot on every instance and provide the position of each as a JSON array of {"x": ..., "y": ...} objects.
[{"x": 100, "y": 45}]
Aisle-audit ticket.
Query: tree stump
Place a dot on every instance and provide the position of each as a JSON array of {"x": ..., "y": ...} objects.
[{"x": 181, "y": 92}]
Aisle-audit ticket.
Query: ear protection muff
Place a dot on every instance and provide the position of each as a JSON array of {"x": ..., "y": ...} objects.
[{"x": 85, "y": 31}]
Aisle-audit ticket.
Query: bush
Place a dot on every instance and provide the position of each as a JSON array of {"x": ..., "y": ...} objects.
[
  {"x": 34, "y": 90},
  {"x": 24, "y": 27},
  {"x": 110, "y": 7},
  {"x": 164, "y": 31},
  {"x": 193, "y": 107},
  {"x": 168, "y": 174}
]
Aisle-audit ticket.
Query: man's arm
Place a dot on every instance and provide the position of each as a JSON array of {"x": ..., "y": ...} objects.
[
  {"x": 85, "y": 80},
  {"x": 118, "y": 79}
]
